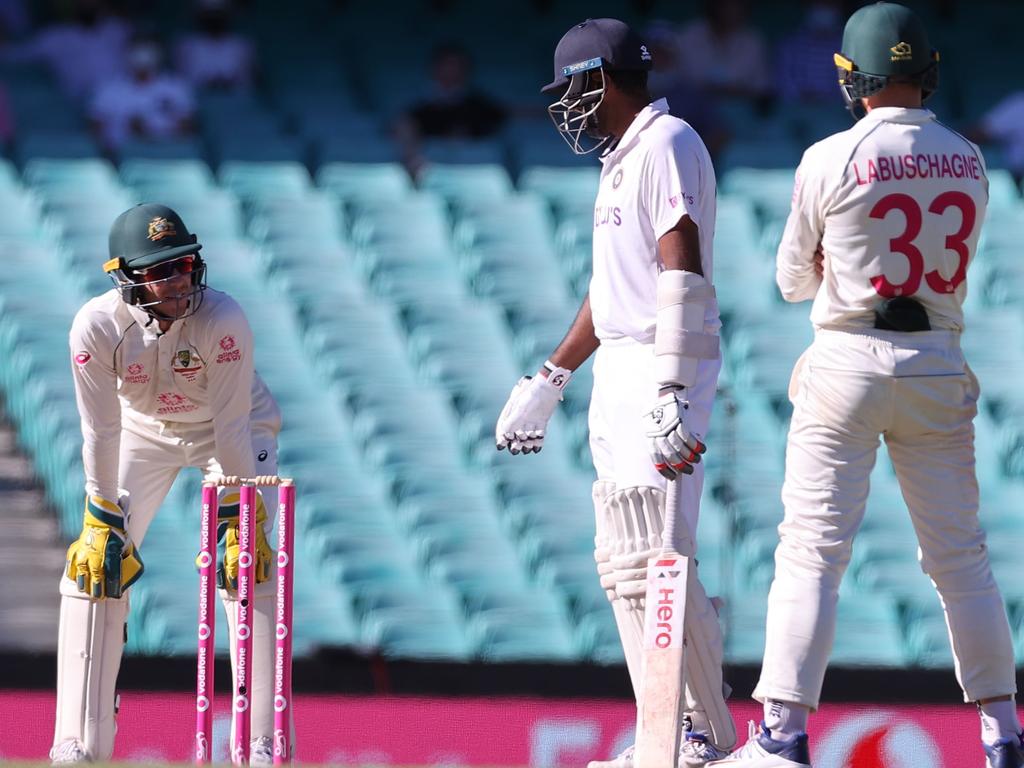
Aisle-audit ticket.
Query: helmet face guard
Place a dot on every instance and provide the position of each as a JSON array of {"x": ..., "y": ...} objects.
[
  {"x": 856, "y": 85},
  {"x": 130, "y": 284},
  {"x": 574, "y": 113}
]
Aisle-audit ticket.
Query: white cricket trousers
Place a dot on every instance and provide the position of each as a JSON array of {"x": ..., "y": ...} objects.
[
  {"x": 915, "y": 390},
  {"x": 625, "y": 389}
]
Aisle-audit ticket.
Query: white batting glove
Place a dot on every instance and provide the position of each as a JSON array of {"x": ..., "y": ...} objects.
[
  {"x": 674, "y": 449},
  {"x": 525, "y": 417}
]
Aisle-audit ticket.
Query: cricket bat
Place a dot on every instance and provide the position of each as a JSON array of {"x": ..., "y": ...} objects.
[{"x": 660, "y": 710}]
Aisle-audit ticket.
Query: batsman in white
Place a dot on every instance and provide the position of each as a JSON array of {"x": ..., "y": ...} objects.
[
  {"x": 652, "y": 318},
  {"x": 164, "y": 379},
  {"x": 884, "y": 222}
]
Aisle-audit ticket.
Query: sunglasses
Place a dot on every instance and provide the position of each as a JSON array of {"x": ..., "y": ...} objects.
[{"x": 168, "y": 269}]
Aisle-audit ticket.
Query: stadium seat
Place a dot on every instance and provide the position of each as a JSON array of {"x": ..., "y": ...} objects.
[
  {"x": 250, "y": 179},
  {"x": 364, "y": 181}
]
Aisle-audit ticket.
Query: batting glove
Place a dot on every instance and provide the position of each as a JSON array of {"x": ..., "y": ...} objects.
[
  {"x": 103, "y": 561},
  {"x": 673, "y": 448},
  {"x": 525, "y": 417}
]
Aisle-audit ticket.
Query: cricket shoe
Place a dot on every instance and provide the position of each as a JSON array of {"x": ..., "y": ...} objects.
[
  {"x": 1006, "y": 753},
  {"x": 67, "y": 752},
  {"x": 261, "y": 752},
  {"x": 762, "y": 751},
  {"x": 696, "y": 751}
]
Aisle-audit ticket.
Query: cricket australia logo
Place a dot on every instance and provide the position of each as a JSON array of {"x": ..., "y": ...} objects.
[
  {"x": 159, "y": 228},
  {"x": 901, "y": 52}
]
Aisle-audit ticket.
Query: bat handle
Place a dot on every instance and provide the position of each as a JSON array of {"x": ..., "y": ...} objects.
[{"x": 669, "y": 541}]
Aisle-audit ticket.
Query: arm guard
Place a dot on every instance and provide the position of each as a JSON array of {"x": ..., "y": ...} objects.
[{"x": 679, "y": 338}]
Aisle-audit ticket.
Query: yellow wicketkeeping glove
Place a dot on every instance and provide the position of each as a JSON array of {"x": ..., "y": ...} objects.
[
  {"x": 103, "y": 561},
  {"x": 227, "y": 529}
]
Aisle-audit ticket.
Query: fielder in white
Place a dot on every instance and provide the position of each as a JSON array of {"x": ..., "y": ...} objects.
[
  {"x": 164, "y": 378},
  {"x": 652, "y": 318},
  {"x": 885, "y": 220}
]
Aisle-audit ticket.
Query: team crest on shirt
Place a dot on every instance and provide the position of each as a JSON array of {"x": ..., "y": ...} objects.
[
  {"x": 184, "y": 365},
  {"x": 901, "y": 52},
  {"x": 159, "y": 228},
  {"x": 617, "y": 179}
]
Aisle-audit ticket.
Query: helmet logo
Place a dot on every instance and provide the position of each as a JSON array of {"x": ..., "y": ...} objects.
[
  {"x": 645, "y": 55},
  {"x": 901, "y": 52},
  {"x": 159, "y": 228}
]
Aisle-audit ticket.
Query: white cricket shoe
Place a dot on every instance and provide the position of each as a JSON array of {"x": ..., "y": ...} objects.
[
  {"x": 261, "y": 752},
  {"x": 1005, "y": 753},
  {"x": 67, "y": 752},
  {"x": 762, "y": 751},
  {"x": 695, "y": 751}
]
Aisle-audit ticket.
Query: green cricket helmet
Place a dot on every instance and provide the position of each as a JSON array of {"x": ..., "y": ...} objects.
[
  {"x": 881, "y": 42},
  {"x": 149, "y": 245}
]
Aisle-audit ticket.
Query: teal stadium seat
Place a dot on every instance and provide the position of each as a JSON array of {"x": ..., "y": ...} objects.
[{"x": 356, "y": 181}]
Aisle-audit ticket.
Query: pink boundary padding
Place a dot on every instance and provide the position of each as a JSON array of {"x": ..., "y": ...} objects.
[
  {"x": 155, "y": 727},
  {"x": 283, "y": 623},
  {"x": 243, "y": 630},
  {"x": 207, "y": 624}
]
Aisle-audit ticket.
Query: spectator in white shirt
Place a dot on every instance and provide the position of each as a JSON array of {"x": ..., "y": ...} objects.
[
  {"x": 215, "y": 56},
  {"x": 149, "y": 103}
]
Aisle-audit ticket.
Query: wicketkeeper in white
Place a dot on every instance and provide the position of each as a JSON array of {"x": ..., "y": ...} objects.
[
  {"x": 652, "y": 318},
  {"x": 884, "y": 222},
  {"x": 164, "y": 379}
]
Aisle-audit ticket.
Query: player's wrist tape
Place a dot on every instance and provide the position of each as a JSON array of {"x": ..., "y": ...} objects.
[
  {"x": 679, "y": 337},
  {"x": 557, "y": 377}
]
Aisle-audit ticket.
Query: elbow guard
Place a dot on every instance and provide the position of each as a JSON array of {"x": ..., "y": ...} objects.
[{"x": 679, "y": 337}]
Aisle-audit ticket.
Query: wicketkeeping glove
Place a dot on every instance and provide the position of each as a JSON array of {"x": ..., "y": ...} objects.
[
  {"x": 525, "y": 417},
  {"x": 227, "y": 530},
  {"x": 674, "y": 449},
  {"x": 103, "y": 561}
]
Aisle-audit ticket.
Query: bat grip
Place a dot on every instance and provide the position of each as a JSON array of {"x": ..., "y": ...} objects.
[{"x": 669, "y": 541}]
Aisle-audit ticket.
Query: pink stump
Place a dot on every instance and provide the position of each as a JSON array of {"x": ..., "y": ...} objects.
[
  {"x": 207, "y": 624},
  {"x": 283, "y": 624}
]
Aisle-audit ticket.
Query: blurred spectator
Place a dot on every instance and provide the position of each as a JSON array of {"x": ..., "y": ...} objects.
[
  {"x": 214, "y": 56},
  {"x": 806, "y": 70},
  {"x": 149, "y": 103},
  {"x": 723, "y": 54},
  {"x": 453, "y": 108},
  {"x": 83, "y": 52},
  {"x": 685, "y": 100},
  {"x": 1003, "y": 125}
]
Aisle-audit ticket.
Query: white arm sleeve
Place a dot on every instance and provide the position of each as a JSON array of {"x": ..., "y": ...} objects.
[
  {"x": 230, "y": 379},
  {"x": 795, "y": 272},
  {"x": 679, "y": 338},
  {"x": 92, "y": 367}
]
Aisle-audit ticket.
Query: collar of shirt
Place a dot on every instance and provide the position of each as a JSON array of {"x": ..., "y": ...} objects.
[
  {"x": 899, "y": 115},
  {"x": 643, "y": 117}
]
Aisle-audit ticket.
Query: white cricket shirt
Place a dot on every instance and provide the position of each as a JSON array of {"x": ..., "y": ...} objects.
[
  {"x": 129, "y": 374},
  {"x": 897, "y": 202},
  {"x": 659, "y": 171}
]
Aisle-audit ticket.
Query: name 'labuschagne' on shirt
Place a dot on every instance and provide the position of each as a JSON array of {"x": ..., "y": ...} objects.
[{"x": 916, "y": 166}]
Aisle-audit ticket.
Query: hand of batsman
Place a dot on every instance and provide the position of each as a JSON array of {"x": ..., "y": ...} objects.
[
  {"x": 525, "y": 417},
  {"x": 673, "y": 448}
]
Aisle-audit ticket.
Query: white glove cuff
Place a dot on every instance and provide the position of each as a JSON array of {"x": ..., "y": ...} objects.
[
  {"x": 679, "y": 337},
  {"x": 557, "y": 377}
]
